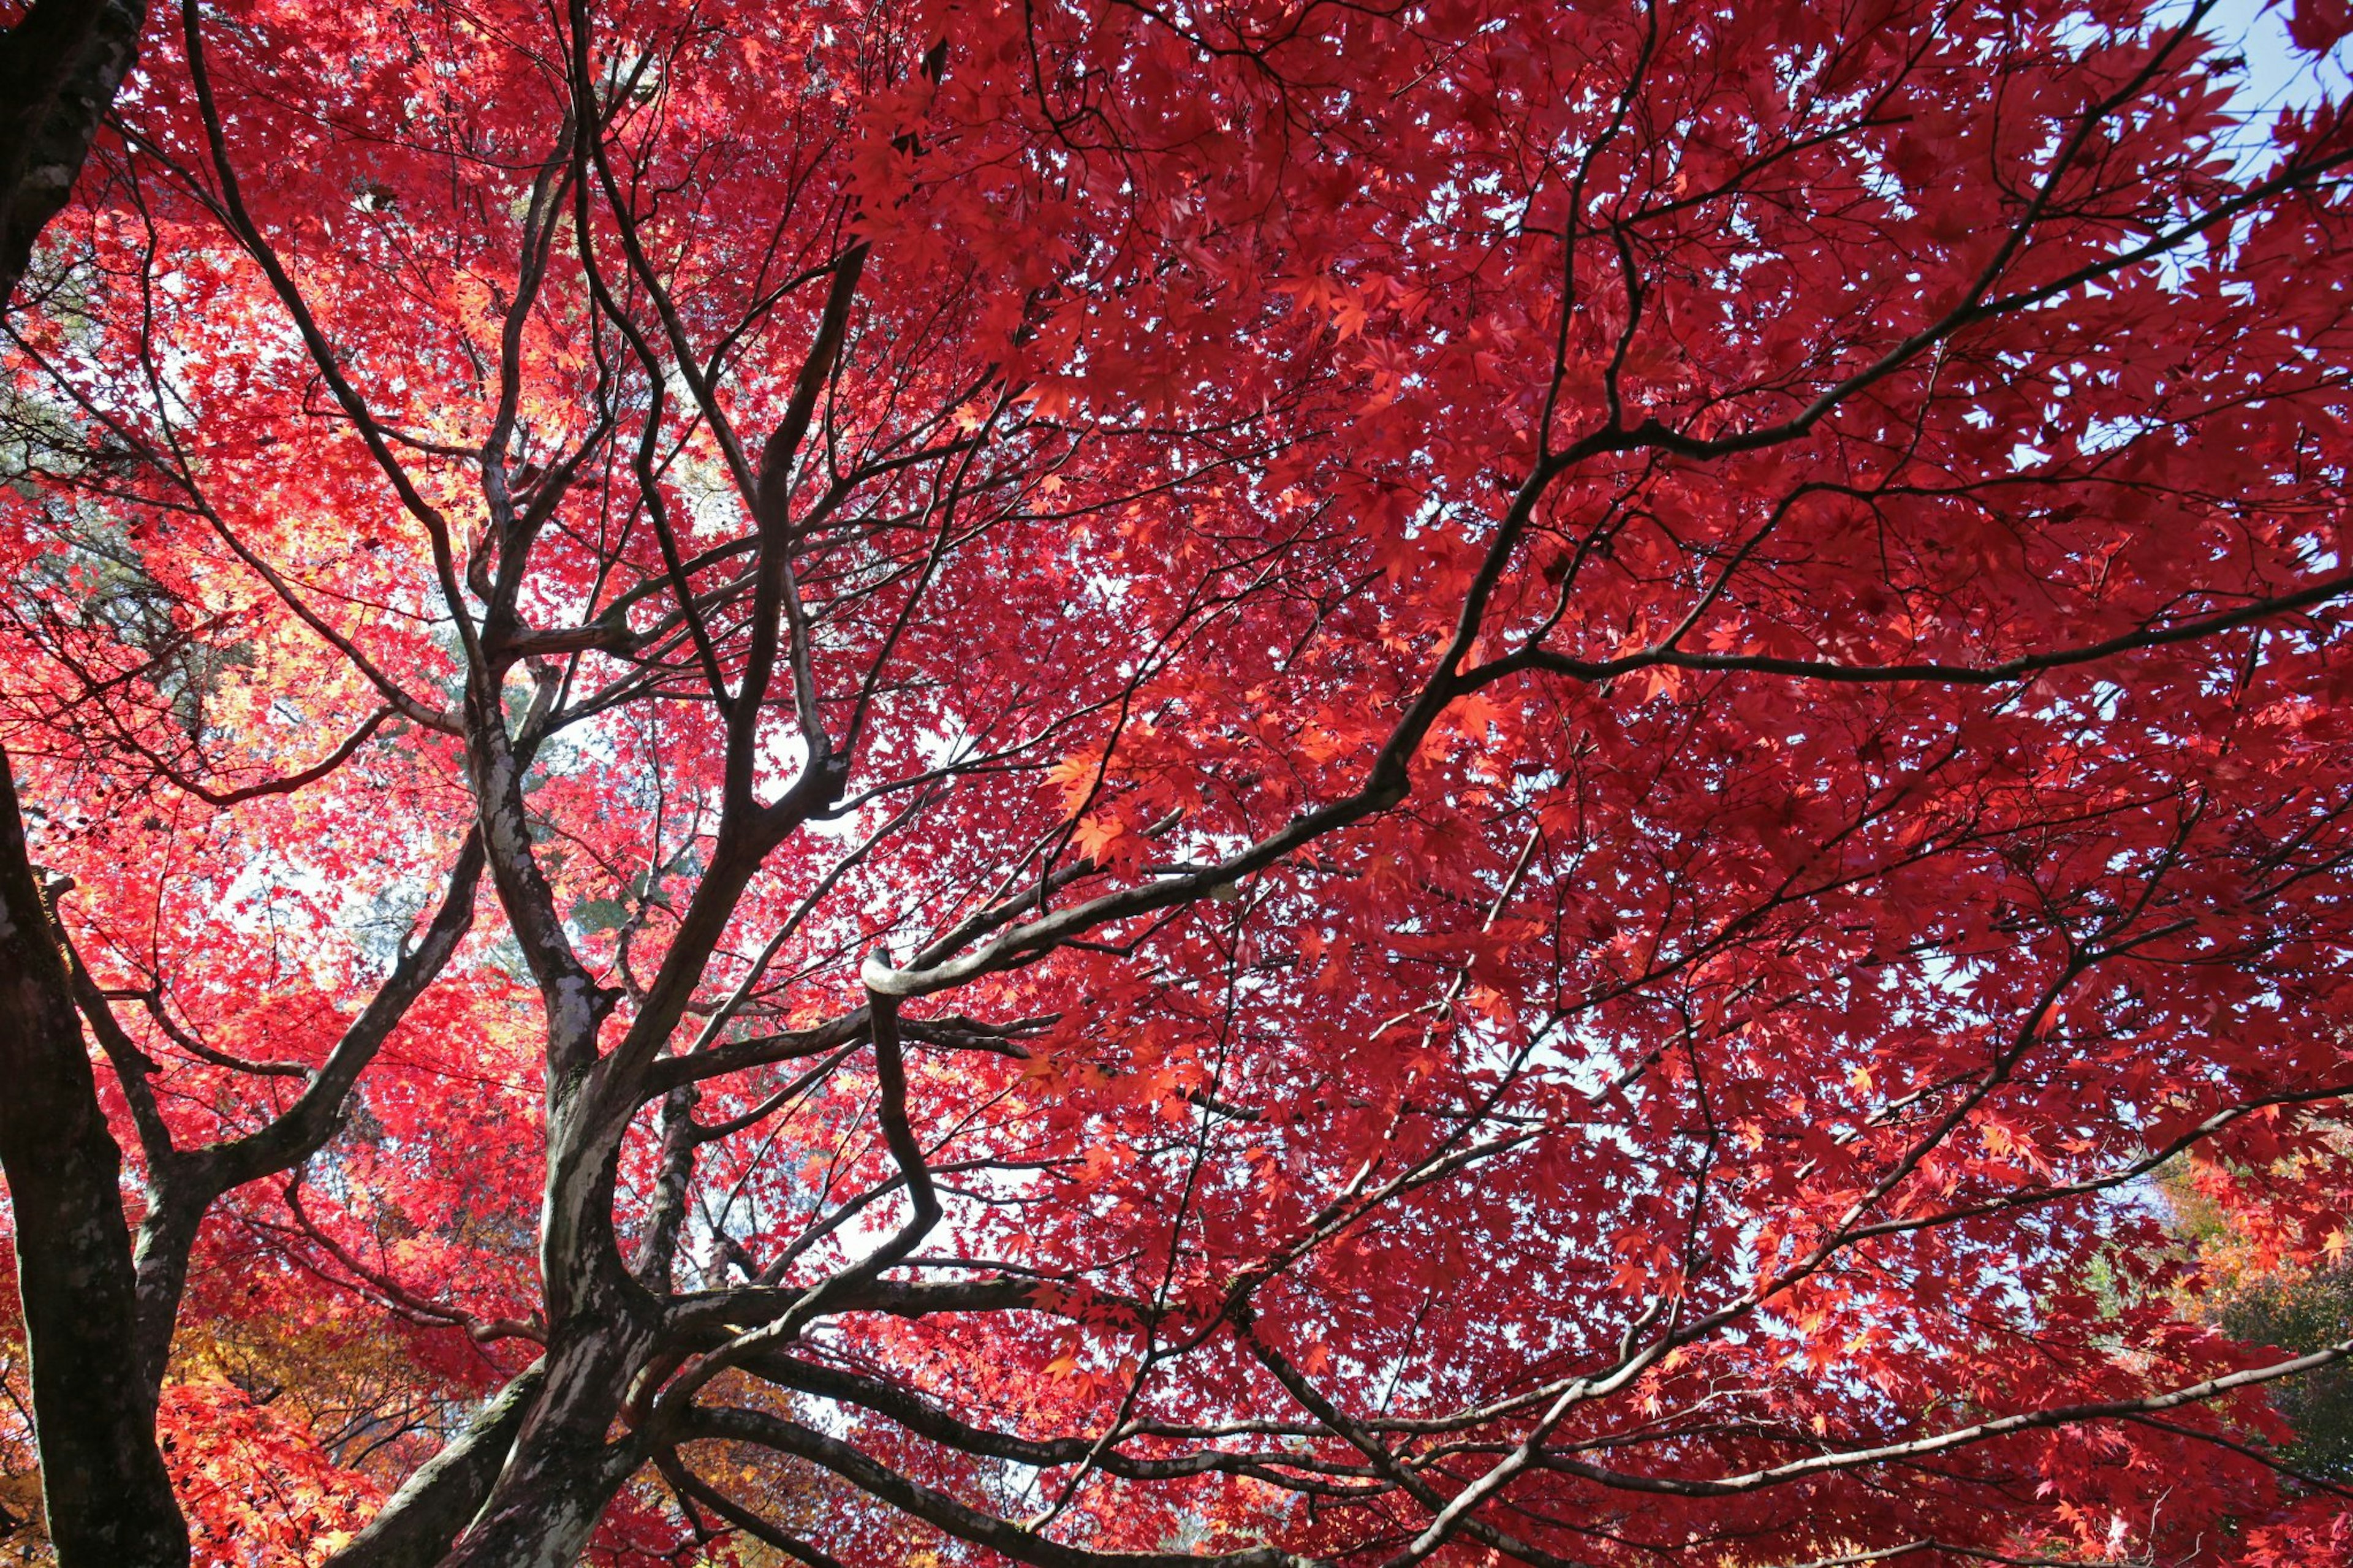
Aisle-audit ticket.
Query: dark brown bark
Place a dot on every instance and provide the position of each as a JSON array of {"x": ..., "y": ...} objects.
[
  {"x": 59, "y": 69},
  {"x": 416, "y": 1527},
  {"x": 951, "y": 1516},
  {"x": 105, "y": 1491},
  {"x": 184, "y": 1184},
  {"x": 564, "y": 1470},
  {"x": 103, "y": 1484}
]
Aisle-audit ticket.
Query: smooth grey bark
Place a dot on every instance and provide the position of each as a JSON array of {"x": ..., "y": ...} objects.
[{"x": 563, "y": 1472}]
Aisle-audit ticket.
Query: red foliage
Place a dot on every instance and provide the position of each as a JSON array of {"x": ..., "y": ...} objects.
[{"x": 1557, "y": 736}]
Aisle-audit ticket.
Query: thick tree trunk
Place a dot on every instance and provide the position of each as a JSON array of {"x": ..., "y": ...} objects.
[
  {"x": 564, "y": 1470},
  {"x": 416, "y": 1527},
  {"x": 59, "y": 69},
  {"x": 167, "y": 1238},
  {"x": 103, "y": 1484}
]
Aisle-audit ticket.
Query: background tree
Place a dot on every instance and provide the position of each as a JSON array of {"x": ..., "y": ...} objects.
[
  {"x": 2251, "y": 1281},
  {"x": 1265, "y": 784}
]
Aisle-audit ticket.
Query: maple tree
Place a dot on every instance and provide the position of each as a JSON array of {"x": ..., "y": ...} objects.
[
  {"x": 2299, "y": 1306},
  {"x": 1115, "y": 786}
]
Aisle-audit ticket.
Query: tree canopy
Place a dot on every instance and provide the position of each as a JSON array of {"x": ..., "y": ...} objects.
[{"x": 1274, "y": 784}]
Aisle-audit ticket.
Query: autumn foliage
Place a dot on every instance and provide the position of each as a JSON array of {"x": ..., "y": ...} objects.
[{"x": 894, "y": 781}]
